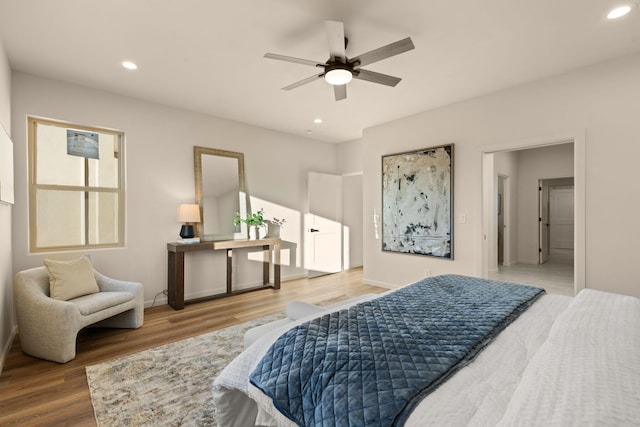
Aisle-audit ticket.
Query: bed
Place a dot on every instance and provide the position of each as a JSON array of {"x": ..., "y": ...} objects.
[{"x": 555, "y": 360}]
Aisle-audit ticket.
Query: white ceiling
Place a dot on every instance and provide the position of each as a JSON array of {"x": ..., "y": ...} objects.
[{"x": 207, "y": 55}]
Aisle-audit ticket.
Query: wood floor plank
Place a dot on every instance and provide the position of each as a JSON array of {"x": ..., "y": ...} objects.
[{"x": 36, "y": 392}]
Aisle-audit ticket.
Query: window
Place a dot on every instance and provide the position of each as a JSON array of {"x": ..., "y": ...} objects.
[{"x": 76, "y": 186}]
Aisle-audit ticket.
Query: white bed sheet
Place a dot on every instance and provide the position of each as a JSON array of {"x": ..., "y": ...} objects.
[
  {"x": 587, "y": 373},
  {"x": 476, "y": 395}
]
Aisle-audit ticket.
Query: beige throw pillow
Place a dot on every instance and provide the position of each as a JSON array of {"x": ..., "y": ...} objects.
[{"x": 71, "y": 279}]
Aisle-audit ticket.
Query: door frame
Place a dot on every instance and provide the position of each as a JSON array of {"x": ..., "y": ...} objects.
[
  {"x": 543, "y": 221},
  {"x": 487, "y": 247},
  {"x": 506, "y": 219}
]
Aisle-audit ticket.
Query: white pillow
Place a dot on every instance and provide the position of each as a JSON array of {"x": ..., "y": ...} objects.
[{"x": 71, "y": 279}]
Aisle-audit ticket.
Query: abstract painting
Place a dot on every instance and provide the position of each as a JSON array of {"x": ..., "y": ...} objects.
[{"x": 417, "y": 202}]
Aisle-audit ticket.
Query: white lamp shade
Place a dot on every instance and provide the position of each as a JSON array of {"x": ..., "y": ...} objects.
[
  {"x": 189, "y": 213},
  {"x": 338, "y": 77}
]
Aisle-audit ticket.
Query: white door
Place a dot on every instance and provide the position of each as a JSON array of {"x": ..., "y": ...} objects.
[
  {"x": 543, "y": 221},
  {"x": 561, "y": 218},
  {"x": 323, "y": 224}
]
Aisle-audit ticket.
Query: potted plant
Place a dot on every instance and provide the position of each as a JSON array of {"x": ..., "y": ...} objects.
[
  {"x": 255, "y": 222},
  {"x": 274, "y": 226}
]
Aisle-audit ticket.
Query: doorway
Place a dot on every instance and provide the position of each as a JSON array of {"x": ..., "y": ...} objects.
[
  {"x": 323, "y": 224},
  {"x": 333, "y": 232},
  {"x": 556, "y": 218},
  {"x": 522, "y": 232}
]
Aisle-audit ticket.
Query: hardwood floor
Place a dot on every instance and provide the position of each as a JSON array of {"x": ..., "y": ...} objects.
[{"x": 36, "y": 392}]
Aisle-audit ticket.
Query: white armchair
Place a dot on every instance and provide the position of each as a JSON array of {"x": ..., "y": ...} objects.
[{"x": 48, "y": 327}]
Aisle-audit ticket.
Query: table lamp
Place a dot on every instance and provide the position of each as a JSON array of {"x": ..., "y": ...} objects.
[{"x": 188, "y": 214}]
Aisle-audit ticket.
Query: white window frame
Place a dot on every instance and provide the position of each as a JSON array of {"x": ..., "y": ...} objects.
[{"x": 34, "y": 187}]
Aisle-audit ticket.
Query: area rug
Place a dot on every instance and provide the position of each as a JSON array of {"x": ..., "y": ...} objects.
[{"x": 168, "y": 385}]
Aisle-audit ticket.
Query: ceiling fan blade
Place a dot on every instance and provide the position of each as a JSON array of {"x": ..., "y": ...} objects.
[
  {"x": 302, "y": 82},
  {"x": 335, "y": 35},
  {"x": 292, "y": 59},
  {"x": 340, "y": 92},
  {"x": 372, "y": 76},
  {"x": 382, "y": 53}
]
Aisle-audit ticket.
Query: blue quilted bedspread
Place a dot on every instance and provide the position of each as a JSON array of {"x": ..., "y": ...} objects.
[{"x": 371, "y": 364}]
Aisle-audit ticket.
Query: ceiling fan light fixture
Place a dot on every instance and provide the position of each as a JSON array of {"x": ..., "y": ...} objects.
[
  {"x": 338, "y": 76},
  {"x": 339, "y": 70}
]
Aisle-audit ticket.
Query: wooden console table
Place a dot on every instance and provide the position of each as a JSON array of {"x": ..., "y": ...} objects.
[{"x": 176, "y": 253}]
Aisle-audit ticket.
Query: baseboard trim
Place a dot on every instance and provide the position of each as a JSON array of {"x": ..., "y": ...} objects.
[
  {"x": 380, "y": 284},
  {"x": 295, "y": 276},
  {"x": 528, "y": 261},
  {"x": 159, "y": 301},
  {"x": 163, "y": 299},
  {"x": 7, "y": 347}
]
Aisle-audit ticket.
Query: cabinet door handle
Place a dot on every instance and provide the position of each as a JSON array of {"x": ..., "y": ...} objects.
[{"x": 313, "y": 230}]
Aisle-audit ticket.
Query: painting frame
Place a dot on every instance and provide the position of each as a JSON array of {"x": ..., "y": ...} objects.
[{"x": 417, "y": 202}]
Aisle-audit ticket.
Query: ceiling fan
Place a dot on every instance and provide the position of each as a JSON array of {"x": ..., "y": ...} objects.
[{"x": 339, "y": 70}]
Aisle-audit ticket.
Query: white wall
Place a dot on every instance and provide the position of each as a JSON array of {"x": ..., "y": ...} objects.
[
  {"x": 601, "y": 101},
  {"x": 349, "y": 156},
  {"x": 352, "y": 219},
  {"x": 7, "y": 327},
  {"x": 535, "y": 164},
  {"x": 159, "y": 168}
]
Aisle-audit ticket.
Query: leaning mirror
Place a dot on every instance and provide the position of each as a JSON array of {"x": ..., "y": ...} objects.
[{"x": 220, "y": 192}]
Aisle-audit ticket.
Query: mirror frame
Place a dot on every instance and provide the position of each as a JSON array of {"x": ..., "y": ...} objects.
[{"x": 243, "y": 196}]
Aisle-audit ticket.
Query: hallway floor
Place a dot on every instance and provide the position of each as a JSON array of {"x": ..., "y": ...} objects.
[{"x": 555, "y": 276}]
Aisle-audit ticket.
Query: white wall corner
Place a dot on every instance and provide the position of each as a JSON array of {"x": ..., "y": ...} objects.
[{"x": 7, "y": 347}]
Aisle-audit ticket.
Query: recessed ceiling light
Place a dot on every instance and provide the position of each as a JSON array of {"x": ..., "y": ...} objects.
[
  {"x": 317, "y": 121},
  {"x": 129, "y": 65},
  {"x": 619, "y": 12}
]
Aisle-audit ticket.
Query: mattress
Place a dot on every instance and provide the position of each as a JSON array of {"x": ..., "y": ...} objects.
[{"x": 568, "y": 339}]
